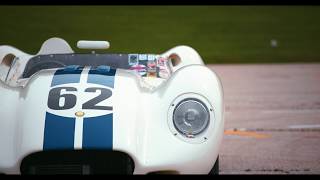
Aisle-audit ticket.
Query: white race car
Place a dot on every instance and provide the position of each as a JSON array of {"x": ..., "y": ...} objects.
[{"x": 66, "y": 112}]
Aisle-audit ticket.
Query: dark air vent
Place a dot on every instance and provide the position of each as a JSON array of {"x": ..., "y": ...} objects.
[{"x": 77, "y": 162}]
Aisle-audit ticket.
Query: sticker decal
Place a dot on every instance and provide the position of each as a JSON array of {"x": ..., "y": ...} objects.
[
  {"x": 164, "y": 67},
  {"x": 143, "y": 57},
  {"x": 152, "y": 68},
  {"x": 133, "y": 59},
  {"x": 140, "y": 68},
  {"x": 151, "y": 57},
  {"x": 150, "y": 65}
]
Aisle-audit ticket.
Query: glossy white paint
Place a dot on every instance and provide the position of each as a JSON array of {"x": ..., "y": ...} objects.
[{"x": 140, "y": 121}]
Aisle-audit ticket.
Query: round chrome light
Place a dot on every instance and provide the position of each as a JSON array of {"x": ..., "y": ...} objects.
[{"x": 191, "y": 117}]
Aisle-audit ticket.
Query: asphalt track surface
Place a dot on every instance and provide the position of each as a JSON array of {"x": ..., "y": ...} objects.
[{"x": 272, "y": 119}]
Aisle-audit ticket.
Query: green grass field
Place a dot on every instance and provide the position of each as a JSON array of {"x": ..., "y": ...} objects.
[{"x": 221, "y": 34}]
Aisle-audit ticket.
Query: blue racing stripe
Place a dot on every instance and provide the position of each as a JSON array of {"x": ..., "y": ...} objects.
[
  {"x": 70, "y": 74},
  {"x": 98, "y": 132},
  {"x": 59, "y": 132},
  {"x": 103, "y": 75}
]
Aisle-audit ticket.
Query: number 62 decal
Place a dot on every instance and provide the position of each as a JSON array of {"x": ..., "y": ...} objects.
[{"x": 70, "y": 100}]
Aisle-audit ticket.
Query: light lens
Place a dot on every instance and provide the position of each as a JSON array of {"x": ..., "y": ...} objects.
[{"x": 191, "y": 117}]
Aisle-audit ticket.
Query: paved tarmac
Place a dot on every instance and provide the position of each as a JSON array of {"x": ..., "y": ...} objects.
[{"x": 272, "y": 120}]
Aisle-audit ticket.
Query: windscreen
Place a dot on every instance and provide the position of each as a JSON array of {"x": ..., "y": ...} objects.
[{"x": 145, "y": 64}]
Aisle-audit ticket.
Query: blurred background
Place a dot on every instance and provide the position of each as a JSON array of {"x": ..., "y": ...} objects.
[{"x": 221, "y": 34}]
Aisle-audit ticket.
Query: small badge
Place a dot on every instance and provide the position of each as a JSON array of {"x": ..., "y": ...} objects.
[{"x": 79, "y": 114}]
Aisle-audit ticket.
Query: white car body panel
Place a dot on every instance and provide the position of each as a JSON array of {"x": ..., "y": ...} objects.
[{"x": 140, "y": 115}]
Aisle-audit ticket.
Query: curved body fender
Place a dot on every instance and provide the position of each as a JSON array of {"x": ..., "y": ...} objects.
[{"x": 162, "y": 149}]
